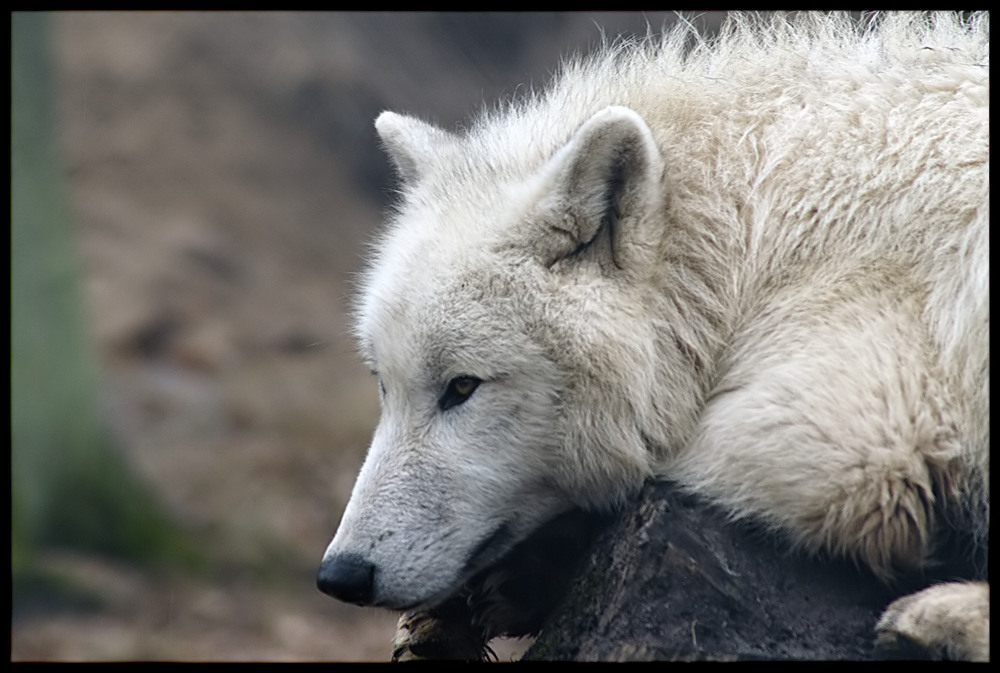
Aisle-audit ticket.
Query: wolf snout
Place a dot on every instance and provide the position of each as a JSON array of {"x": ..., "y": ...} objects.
[{"x": 347, "y": 577}]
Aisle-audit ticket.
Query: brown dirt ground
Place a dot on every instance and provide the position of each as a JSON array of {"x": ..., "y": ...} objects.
[{"x": 223, "y": 176}]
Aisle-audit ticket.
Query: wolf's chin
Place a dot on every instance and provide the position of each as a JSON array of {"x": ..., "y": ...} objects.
[{"x": 512, "y": 591}]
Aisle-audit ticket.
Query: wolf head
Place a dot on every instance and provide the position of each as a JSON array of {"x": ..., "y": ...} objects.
[{"x": 506, "y": 317}]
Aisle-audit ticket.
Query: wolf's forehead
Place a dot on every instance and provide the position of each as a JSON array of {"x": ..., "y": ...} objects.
[
  {"x": 452, "y": 211},
  {"x": 431, "y": 346},
  {"x": 412, "y": 309}
]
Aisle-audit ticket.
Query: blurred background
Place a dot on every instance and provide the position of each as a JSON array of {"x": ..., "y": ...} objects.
[{"x": 191, "y": 196}]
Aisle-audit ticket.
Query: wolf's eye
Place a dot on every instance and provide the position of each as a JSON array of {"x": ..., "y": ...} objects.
[{"x": 459, "y": 389}]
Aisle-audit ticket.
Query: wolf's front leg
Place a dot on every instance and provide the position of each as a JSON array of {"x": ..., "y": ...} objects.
[{"x": 834, "y": 423}]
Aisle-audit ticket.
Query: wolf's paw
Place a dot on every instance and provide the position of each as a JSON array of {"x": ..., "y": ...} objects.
[{"x": 945, "y": 621}]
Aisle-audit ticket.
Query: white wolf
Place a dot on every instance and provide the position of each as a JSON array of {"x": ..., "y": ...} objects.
[{"x": 758, "y": 266}]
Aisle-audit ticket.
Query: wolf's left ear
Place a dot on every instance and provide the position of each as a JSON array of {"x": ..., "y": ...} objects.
[
  {"x": 412, "y": 144},
  {"x": 603, "y": 192}
]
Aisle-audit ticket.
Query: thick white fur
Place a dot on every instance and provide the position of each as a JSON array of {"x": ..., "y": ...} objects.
[{"x": 760, "y": 268}]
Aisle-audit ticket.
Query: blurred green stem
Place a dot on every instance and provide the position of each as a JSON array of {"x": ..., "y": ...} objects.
[{"x": 69, "y": 486}]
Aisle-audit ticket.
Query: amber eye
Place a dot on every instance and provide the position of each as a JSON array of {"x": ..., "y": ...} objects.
[{"x": 458, "y": 391}]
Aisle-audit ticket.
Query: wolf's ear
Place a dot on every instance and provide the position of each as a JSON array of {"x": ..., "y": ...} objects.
[
  {"x": 413, "y": 145},
  {"x": 603, "y": 193}
]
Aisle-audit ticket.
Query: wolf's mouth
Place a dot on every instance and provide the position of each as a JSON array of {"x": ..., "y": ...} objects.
[
  {"x": 491, "y": 546},
  {"x": 511, "y": 595}
]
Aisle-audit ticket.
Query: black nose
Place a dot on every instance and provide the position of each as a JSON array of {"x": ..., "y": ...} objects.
[{"x": 347, "y": 577}]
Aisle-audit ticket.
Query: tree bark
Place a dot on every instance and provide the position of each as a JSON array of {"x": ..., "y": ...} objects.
[{"x": 673, "y": 579}]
